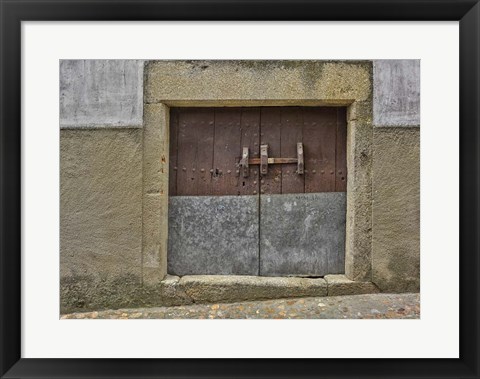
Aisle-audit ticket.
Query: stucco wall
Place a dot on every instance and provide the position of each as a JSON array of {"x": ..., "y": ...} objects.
[
  {"x": 396, "y": 176},
  {"x": 100, "y": 213},
  {"x": 396, "y": 209}
]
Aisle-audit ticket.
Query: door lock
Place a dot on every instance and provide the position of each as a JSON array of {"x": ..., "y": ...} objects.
[{"x": 264, "y": 160}]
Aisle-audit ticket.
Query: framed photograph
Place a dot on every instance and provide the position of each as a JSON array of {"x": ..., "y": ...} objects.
[{"x": 239, "y": 189}]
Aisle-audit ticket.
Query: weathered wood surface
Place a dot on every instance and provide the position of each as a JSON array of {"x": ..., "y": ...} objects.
[
  {"x": 207, "y": 145},
  {"x": 341, "y": 151}
]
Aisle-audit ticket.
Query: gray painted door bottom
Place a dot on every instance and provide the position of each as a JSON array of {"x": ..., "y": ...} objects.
[{"x": 271, "y": 235}]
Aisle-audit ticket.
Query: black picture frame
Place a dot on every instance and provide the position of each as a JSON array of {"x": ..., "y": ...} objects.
[{"x": 467, "y": 12}]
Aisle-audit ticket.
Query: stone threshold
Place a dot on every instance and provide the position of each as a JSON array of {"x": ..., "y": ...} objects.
[{"x": 232, "y": 288}]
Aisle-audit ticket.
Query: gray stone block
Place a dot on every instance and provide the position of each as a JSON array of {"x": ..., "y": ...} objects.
[
  {"x": 213, "y": 235},
  {"x": 303, "y": 234},
  {"x": 396, "y": 92},
  {"x": 101, "y": 93},
  {"x": 340, "y": 285},
  {"x": 218, "y": 288}
]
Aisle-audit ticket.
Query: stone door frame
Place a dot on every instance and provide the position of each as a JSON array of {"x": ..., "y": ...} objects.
[{"x": 257, "y": 83}]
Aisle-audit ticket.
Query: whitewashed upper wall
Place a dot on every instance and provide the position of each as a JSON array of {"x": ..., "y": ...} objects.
[
  {"x": 101, "y": 93},
  {"x": 109, "y": 93},
  {"x": 396, "y": 92}
]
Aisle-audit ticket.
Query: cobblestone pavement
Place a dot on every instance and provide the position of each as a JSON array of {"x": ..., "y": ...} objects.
[{"x": 373, "y": 306}]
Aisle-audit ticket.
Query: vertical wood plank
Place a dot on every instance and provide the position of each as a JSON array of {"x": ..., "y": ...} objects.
[
  {"x": 319, "y": 129},
  {"x": 195, "y": 151},
  {"x": 270, "y": 133},
  {"x": 204, "y": 132},
  {"x": 226, "y": 151},
  {"x": 187, "y": 153},
  {"x": 291, "y": 134},
  {"x": 173, "y": 154},
  {"x": 341, "y": 151},
  {"x": 250, "y": 137}
]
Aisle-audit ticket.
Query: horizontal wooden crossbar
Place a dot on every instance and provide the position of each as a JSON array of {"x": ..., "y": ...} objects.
[{"x": 273, "y": 160}]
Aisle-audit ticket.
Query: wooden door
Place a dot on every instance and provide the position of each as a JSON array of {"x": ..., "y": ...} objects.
[{"x": 276, "y": 224}]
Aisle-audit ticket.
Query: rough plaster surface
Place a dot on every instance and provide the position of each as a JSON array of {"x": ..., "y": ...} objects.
[
  {"x": 396, "y": 209},
  {"x": 302, "y": 234},
  {"x": 257, "y": 82},
  {"x": 396, "y": 94},
  {"x": 100, "y": 212},
  {"x": 213, "y": 235},
  {"x": 101, "y": 93}
]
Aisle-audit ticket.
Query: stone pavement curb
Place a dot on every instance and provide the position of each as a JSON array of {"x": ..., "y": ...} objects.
[{"x": 369, "y": 306}]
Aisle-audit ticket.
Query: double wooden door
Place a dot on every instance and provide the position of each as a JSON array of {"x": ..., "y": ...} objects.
[{"x": 257, "y": 191}]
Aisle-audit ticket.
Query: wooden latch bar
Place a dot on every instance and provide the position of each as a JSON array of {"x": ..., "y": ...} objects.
[
  {"x": 244, "y": 163},
  {"x": 264, "y": 160},
  {"x": 300, "y": 158}
]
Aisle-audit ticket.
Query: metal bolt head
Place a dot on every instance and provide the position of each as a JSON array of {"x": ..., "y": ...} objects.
[
  {"x": 211, "y": 170},
  {"x": 314, "y": 171},
  {"x": 175, "y": 168},
  {"x": 229, "y": 171},
  {"x": 331, "y": 172},
  {"x": 193, "y": 169},
  {"x": 202, "y": 170},
  {"x": 262, "y": 190},
  {"x": 254, "y": 182},
  {"x": 254, "y": 192},
  {"x": 184, "y": 169},
  {"x": 323, "y": 171}
]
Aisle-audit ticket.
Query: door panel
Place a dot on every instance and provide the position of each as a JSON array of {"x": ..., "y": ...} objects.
[
  {"x": 250, "y": 136},
  {"x": 291, "y": 133},
  {"x": 302, "y": 234},
  {"x": 271, "y": 124},
  {"x": 194, "y": 149},
  {"x": 213, "y": 235},
  {"x": 282, "y": 223},
  {"x": 341, "y": 154},
  {"x": 320, "y": 125},
  {"x": 226, "y": 151}
]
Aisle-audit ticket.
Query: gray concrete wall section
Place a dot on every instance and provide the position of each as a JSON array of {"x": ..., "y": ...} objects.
[
  {"x": 101, "y": 93},
  {"x": 396, "y": 92},
  {"x": 302, "y": 234},
  {"x": 213, "y": 235}
]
